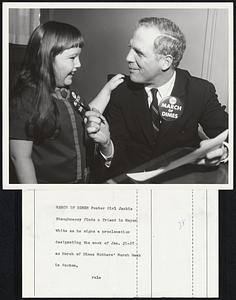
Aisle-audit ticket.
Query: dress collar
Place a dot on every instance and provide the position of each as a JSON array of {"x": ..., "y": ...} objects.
[{"x": 62, "y": 93}]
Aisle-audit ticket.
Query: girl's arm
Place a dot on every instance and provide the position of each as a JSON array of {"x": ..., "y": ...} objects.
[
  {"x": 20, "y": 151},
  {"x": 102, "y": 99}
]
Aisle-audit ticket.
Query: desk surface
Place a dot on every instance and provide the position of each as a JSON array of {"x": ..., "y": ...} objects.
[{"x": 187, "y": 174}]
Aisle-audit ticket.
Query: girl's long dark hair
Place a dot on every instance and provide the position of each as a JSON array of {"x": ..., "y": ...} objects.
[{"x": 47, "y": 41}]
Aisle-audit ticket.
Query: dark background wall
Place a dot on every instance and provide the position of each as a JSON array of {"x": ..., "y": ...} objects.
[{"x": 16, "y": 55}]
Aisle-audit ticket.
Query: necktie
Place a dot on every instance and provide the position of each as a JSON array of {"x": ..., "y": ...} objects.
[{"x": 155, "y": 112}]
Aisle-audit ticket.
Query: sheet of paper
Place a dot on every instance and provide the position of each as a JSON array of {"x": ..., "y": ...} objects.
[
  {"x": 185, "y": 243},
  {"x": 120, "y": 243},
  {"x": 187, "y": 159}
]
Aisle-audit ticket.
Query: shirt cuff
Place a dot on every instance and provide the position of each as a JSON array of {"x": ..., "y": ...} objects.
[
  {"x": 226, "y": 157},
  {"x": 108, "y": 159}
]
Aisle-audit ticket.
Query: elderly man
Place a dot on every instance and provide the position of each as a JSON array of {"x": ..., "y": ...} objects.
[{"x": 159, "y": 107}]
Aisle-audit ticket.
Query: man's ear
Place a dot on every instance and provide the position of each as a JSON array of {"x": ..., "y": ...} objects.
[{"x": 166, "y": 63}]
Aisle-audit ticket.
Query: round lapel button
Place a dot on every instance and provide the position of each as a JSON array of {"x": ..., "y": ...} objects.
[{"x": 171, "y": 108}]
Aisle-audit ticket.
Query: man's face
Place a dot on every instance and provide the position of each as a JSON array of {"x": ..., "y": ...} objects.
[{"x": 144, "y": 65}]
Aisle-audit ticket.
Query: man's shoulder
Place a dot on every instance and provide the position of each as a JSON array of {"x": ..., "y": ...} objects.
[
  {"x": 126, "y": 87},
  {"x": 193, "y": 80}
]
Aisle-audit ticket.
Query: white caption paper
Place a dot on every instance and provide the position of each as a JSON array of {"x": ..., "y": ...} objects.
[{"x": 120, "y": 243}]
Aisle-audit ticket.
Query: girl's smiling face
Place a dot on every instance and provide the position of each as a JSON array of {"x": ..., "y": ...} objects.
[{"x": 65, "y": 65}]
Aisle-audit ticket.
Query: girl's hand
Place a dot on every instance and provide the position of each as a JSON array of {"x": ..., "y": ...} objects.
[
  {"x": 114, "y": 82},
  {"x": 102, "y": 99}
]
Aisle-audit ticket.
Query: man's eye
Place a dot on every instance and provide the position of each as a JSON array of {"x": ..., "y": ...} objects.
[{"x": 139, "y": 53}]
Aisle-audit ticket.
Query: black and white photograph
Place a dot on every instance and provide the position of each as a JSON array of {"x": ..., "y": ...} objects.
[{"x": 119, "y": 95}]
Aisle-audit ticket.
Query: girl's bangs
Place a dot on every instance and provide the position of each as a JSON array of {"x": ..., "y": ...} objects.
[{"x": 71, "y": 42}]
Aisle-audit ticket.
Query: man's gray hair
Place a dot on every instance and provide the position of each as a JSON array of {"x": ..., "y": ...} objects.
[{"x": 170, "y": 42}]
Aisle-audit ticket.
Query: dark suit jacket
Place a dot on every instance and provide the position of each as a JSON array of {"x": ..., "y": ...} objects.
[{"x": 131, "y": 129}]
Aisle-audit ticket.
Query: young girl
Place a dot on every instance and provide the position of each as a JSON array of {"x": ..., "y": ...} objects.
[{"x": 48, "y": 143}]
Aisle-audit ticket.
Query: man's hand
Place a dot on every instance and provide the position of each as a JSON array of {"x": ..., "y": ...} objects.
[
  {"x": 215, "y": 156},
  {"x": 97, "y": 128}
]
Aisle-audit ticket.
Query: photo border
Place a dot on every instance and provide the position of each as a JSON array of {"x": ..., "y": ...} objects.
[{"x": 111, "y": 5}]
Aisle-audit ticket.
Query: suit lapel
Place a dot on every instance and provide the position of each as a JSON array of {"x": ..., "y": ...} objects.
[
  {"x": 143, "y": 114},
  {"x": 179, "y": 90}
]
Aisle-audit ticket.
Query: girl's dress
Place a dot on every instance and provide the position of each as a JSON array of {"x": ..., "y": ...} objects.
[{"x": 61, "y": 159}]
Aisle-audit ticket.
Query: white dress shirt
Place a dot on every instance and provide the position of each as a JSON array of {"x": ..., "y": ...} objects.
[{"x": 163, "y": 91}]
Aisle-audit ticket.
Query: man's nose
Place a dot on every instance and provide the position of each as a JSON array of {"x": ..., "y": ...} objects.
[
  {"x": 77, "y": 63},
  {"x": 130, "y": 56}
]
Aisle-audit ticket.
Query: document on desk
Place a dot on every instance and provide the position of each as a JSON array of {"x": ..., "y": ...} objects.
[
  {"x": 120, "y": 243},
  {"x": 190, "y": 158}
]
